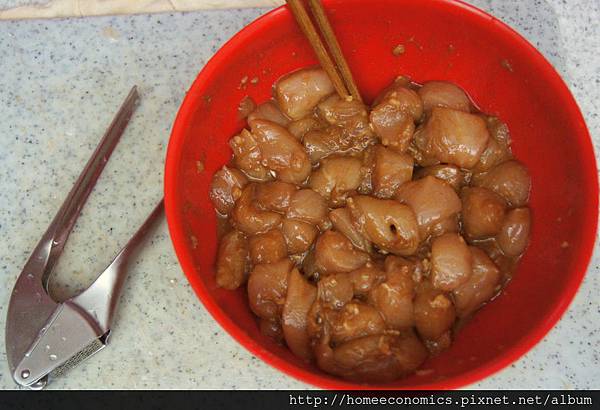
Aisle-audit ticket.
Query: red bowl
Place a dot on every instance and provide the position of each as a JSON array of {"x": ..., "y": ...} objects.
[{"x": 443, "y": 39}]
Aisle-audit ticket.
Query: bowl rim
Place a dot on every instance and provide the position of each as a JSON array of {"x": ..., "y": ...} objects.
[{"x": 177, "y": 232}]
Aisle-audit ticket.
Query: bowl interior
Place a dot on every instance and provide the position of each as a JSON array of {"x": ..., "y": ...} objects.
[{"x": 445, "y": 40}]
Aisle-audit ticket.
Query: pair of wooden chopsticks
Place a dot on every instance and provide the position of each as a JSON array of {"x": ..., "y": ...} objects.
[{"x": 338, "y": 72}]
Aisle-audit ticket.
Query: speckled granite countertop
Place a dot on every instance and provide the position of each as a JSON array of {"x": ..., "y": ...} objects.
[{"x": 62, "y": 81}]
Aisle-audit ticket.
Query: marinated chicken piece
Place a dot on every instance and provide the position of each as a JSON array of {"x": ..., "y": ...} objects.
[
  {"x": 393, "y": 263},
  {"x": 233, "y": 261},
  {"x": 499, "y": 131},
  {"x": 281, "y": 152},
  {"x": 482, "y": 212},
  {"x": 267, "y": 247},
  {"x": 453, "y": 137},
  {"x": 492, "y": 155},
  {"x": 226, "y": 187},
  {"x": 510, "y": 180},
  {"x": 514, "y": 233},
  {"x": 374, "y": 359},
  {"x": 362, "y": 137},
  {"x": 321, "y": 143},
  {"x": 246, "y": 217},
  {"x": 432, "y": 200},
  {"x": 506, "y": 264},
  {"x": 434, "y": 312},
  {"x": 247, "y": 156},
  {"x": 394, "y": 114},
  {"x": 271, "y": 328},
  {"x": 299, "y": 235},
  {"x": 344, "y": 135},
  {"x": 417, "y": 267},
  {"x": 336, "y": 178},
  {"x": 394, "y": 127},
  {"x": 481, "y": 286},
  {"x": 297, "y": 93},
  {"x": 247, "y": 105},
  {"x": 390, "y": 170},
  {"x": 451, "y": 260},
  {"x": 498, "y": 148},
  {"x": 334, "y": 253},
  {"x": 450, "y": 224},
  {"x": 342, "y": 222},
  {"x": 440, "y": 344},
  {"x": 301, "y": 127},
  {"x": 300, "y": 297},
  {"x": 335, "y": 290},
  {"x": 269, "y": 111},
  {"x": 422, "y": 159},
  {"x": 394, "y": 298},
  {"x": 274, "y": 196},
  {"x": 308, "y": 206},
  {"x": 400, "y": 94},
  {"x": 444, "y": 94},
  {"x": 355, "y": 319},
  {"x": 451, "y": 174},
  {"x": 336, "y": 111},
  {"x": 352, "y": 118},
  {"x": 267, "y": 288},
  {"x": 366, "y": 278},
  {"x": 388, "y": 224}
]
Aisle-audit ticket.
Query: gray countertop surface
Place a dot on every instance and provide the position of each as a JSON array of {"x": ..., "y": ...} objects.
[{"x": 61, "y": 82}]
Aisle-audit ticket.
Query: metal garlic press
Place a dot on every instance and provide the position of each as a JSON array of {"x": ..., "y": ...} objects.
[{"x": 45, "y": 338}]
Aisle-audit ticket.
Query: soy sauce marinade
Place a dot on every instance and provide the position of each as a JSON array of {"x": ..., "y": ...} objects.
[{"x": 366, "y": 234}]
